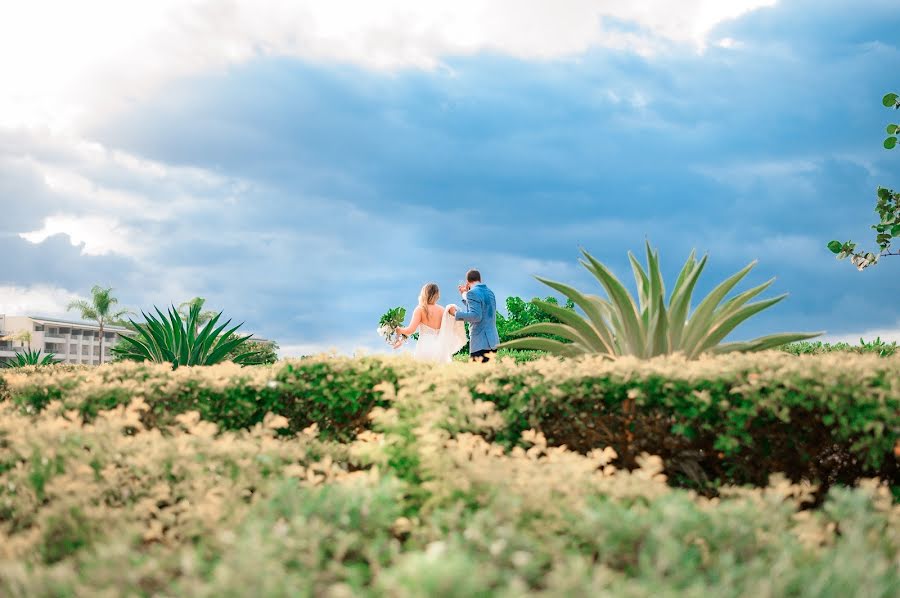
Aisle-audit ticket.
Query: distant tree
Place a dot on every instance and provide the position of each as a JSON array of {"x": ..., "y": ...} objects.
[
  {"x": 521, "y": 314},
  {"x": 23, "y": 336},
  {"x": 266, "y": 353},
  {"x": 100, "y": 309},
  {"x": 205, "y": 316},
  {"x": 887, "y": 206}
]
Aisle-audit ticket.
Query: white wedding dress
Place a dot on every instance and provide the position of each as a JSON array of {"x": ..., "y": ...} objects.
[{"x": 440, "y": 344}]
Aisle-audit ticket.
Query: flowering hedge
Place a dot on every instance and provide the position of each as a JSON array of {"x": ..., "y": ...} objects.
[
  {"x": 735, "y": 419},
  {"x": 335, "y": 394},
  {"x": 98, "y": 503},
  {"x": 828, "y": 418}
]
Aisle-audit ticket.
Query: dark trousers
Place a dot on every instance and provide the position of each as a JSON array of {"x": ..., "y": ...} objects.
[{"x": 483, "y": 356}]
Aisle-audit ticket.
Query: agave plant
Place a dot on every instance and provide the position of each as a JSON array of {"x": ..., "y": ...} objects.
[
  {"x": 618, "y": 326},
  {"x": 29, "y": 357},
  {"x": 170, "y": 338}
]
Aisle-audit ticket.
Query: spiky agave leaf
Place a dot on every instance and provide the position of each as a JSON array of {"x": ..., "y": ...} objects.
[
  {"x": 597, "y": 312},
  {"x": 630, "y": 330},
  {"x": 31, "y": 357},
  {"x": 618, "y": 326},
  {"x": 171, "y": 338}
]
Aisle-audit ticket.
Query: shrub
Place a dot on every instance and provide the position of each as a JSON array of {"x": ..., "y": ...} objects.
[
  {"x": 29, "y": 357},
  {"x": 171, "y": 339},
  {"x": 877, "y": 346},
  {"x": 619, "y": 326},
  {"x": 195, "y": 510},
  {"x": 336, "y": 394},
  {"x": 737, "y": 419}
]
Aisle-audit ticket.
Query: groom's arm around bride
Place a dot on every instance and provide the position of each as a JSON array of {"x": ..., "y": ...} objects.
[{"x": 481, "y": 314}]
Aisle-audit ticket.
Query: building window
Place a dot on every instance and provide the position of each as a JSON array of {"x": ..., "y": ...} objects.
[{"x": 38, "y": 327}]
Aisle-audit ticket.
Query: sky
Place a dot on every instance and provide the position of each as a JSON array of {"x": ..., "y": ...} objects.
[{"x": 305, "y": 166}]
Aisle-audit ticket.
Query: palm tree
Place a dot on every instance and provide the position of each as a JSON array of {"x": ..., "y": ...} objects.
[
  {"x": 204, "y": 317},
  {"x": 23, "y": 336},
  {"x": 99, "y": 310}
]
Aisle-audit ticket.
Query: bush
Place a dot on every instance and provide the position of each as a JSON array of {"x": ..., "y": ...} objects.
[
  {"x": 878, "y": 347},
  {"x": 335, "y": 394},
  {"x": 826, "y": 418},
  {"x": 106, "y": 506},
  {"x": 738, "y": 419}
]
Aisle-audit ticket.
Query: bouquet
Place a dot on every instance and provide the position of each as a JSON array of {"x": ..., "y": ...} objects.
[{"x": 388, "y": 325}]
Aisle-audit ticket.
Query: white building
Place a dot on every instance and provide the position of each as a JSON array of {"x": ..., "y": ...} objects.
[{"x": 70, "y": 341}]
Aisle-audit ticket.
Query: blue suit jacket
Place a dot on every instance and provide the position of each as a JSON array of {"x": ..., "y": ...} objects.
[{"x": 481, "y": 314}]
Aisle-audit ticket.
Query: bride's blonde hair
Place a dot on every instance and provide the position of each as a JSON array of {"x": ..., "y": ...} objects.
[{"x": 428, "y": 296}]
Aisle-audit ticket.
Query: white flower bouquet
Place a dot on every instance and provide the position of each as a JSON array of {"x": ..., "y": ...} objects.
[{"x": 390, "y": 321}]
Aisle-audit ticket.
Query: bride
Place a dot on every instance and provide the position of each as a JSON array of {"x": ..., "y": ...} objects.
[{"x": 440, "y": 334}]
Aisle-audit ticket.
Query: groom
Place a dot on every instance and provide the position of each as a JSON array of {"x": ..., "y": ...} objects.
[{"x": 481, "y": 314}]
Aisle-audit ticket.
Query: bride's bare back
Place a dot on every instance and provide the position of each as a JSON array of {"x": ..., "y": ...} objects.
[{"x": 432, "y": 318}]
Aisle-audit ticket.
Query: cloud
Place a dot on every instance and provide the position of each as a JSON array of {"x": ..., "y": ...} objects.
[
  {"x": 304, "y": 197},
  {"x": 39, "y": 299},
  {"x": 96, "y": 56},
  {"x": 96, "y": 235},
  {"x": 885, "y": 333}
]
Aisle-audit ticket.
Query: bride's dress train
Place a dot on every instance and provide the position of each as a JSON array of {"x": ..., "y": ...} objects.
[{"x": 441, "y": 344}]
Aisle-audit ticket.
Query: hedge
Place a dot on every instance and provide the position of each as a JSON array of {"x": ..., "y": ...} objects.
[
  {"x": 335, "y": 394},
  {"x": 735, "y": 419}
]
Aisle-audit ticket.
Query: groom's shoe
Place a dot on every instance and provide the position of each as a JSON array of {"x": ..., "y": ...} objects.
[{"x": 483, "y": 356}]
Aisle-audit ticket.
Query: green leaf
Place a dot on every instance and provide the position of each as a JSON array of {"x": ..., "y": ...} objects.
[
  {"x": 542, "y": 344},
  {"x": 835, "y": 246},
  {"x": 594, "y": 311},
  {"x": 892, "y": 128},
  {"x": 584, "y": 331},
  {"x": 890, "y": 143},
  {"x": 680, "y": 302},
  {"x": 889, "y": 100},
  {"x": 702, "y": 318},
  {"x": 895, "y": 230},
  {"x": 624, "y": 305},
  {"x": 563, "y": 330}
]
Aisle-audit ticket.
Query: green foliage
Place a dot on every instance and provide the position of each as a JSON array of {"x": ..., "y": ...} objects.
[
  {"x": 171, "y": 339},
  {"x": 29, "y": 357},
  {"x": 521, "y": 314},
  {"x": 393, "y": 317},
  {"x": 617, "y": 326},
  {"x": 23, "y": 336},
  {"x": 515, "y": 355},
  {"x": 100, "y": 309},
  {"x": 66, "y": 534},
  {"x": 891, "y": 100},
  {"x": 436, "y": 509},
  {"x": 335, "y": 394},
  {"x": 184, "y": 310},
  {"x": 887, "y": 206},
  {"x": 811, "y": 419},
  {"x": 263, "y": 353},
  {"x": 877, "y": 346}
]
